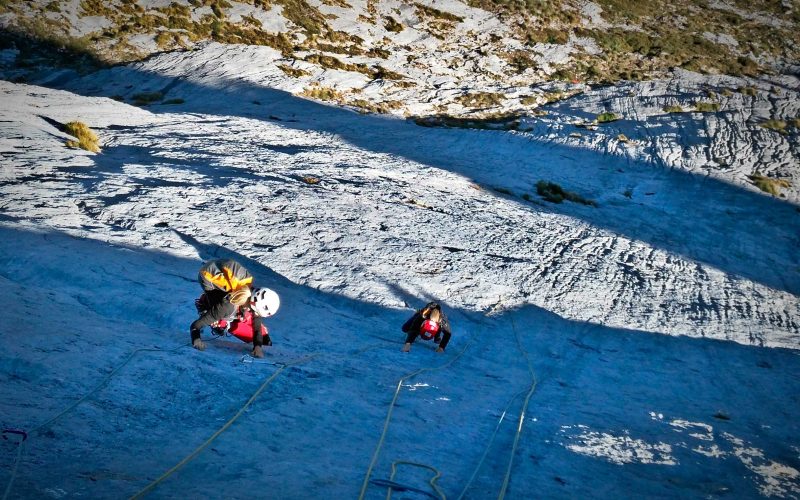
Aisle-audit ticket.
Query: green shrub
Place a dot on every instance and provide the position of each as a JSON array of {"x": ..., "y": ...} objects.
[
  {"x": 673, "y": 108},
  {"x": 87, "y": 139},
  {"x": 500, "y": 121},
  {"x": 607, "y": 117},
  {"x": 554, "y": 193},
  {"x": 768, "y": 184}
]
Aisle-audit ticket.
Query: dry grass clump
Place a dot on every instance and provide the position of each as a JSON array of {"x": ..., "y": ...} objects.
[
  {"x": 776, "y": 125},
  {"x": 337, "y": 3},
  {"x": 365, "y": 106},
  {"x": 293, "y": 72},
  {"x": 87, "y": 139},
  {"x": 145, "y": 98},
  {"x": 751, "y": 91},
  {"x": 323, "y": 93},
  {"x": 311, "y": 180},
  {"x": 481, "y": 100},
  {"x": 392, "y": 25},
  {"x": 768, "y": 184},
  {"x": 706, "y": 107},
  {"x": 426, "y": 11},
  {"x": 520, "y": 61}
]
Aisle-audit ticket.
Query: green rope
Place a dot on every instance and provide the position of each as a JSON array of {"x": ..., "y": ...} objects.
[
  {"x": 521, "y": 415},
  {"x": 52, "y": 420},
  {"x": 386, "y": 422},
  {"x": 222, "y": 429},
  {"x": 488, "y": 445},
  {"x": 432, "y": 481}
]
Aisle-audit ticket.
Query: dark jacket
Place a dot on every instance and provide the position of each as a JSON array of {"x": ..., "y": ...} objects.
[{"x": 414, "y": 323}]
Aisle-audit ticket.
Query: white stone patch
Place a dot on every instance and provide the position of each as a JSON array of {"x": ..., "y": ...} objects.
[
  {"x": 621, "y": 449},
  {"x": 272, "y": 20},
  {"x": 418, "y": 385},
  {"x": 686, "y": 425},
  {"x": 721, "y": 38},
  {"x": 712, "y": 451},
  {"x": 775, "y": 479}
]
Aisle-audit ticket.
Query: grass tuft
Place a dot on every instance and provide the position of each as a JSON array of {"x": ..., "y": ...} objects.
[
  {"x": 87, "y": 139},
  {"x": 293, "y": 72},
  {"x": 776, "y": 125},
  {"x": 768, "y": 184}
]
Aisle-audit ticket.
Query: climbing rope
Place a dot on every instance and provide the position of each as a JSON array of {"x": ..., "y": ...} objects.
[
  {"x": 489, "y": 444},
  {"x": 529, "y": 391},
  {"x": 69, "y": 408},
  {"x": 222, "y": 429},
  {"x": 391, "y": 483},
  {"x": 388, "y": 419},
  {"x": 521, "y": 415}
]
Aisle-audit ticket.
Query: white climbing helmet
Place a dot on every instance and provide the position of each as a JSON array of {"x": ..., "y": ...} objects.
[{"x": 265, "y": 302}]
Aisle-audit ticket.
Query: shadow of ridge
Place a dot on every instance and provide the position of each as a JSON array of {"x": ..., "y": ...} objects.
[{"x": 689, "y": 220}]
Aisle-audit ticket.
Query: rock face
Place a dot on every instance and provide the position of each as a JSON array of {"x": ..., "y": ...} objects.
[
  {"x": 672, "y": 236},
  {"x": 667, "y": 205}
]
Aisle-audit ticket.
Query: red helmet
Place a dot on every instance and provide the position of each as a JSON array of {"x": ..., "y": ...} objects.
[{"x": 428, "y": 329}]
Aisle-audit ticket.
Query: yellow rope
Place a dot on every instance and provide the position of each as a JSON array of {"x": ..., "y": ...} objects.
[
  {"x": 222, "y": 429},
  {"x": 432, "y": 481},
  {"x": 521, "y": 415},
  {"x": 377, "y": 452},
  {"x": 49, "y": 422}
]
